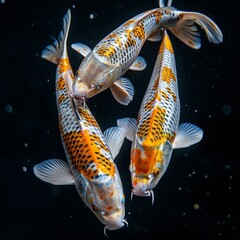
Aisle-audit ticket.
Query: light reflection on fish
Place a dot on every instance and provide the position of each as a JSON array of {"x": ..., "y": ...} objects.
[
  {"x": 89, "y": 153},
  {"x": 104, "y": 66}
]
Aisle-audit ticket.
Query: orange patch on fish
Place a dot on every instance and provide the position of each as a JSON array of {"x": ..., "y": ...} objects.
[
  {"x": 86, "y": 154},
  {"x": 61, "y": 99},
  {"x": 172, "y": 94},
  {"x": 144, "y": 162},
  {"x": 164, "y": 95},
  {"x": 107, "y": 52},
  {"x": 151, "y": 130},
  {"x": 64, "y": 65},
  {"x": 88, "y": 119},
  {"x": 60, "y": 84},
  {"x": 129, "y": 22},
  {"x": 168, "y": 75},
  {"x": 168, "y": 44},
  {"x": 158, "y": 16},
  {"x": 139, "y": 31}
]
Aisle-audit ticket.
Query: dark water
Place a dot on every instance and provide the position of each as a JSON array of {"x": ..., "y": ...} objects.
[{"x": 196, "y": 198}]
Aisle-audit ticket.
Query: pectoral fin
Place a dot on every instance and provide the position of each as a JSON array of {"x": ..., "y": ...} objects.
[
  {"x": 187, "y": 135},
  {"x": 81, "y": 48},
  {"x": 139, "y": 64},
  {"x": 122, "y": 90},
  {"x": 54, "y": 171},
  {"x": 114, "y": 137},
  {"x": 129, "y": 125}
]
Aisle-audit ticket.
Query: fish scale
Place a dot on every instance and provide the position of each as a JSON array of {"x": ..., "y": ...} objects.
[
  {"x": 104, "y": 66},
  {"x": 90, "y": 162},
  {"x": 161, "y": 97},
  {"x": 125, "y": 42}
]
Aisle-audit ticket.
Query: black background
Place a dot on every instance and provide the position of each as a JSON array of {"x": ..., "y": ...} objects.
[{"x": 206, "y": 174}]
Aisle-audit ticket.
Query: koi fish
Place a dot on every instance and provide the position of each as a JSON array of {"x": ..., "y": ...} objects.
[
  {"x": 104, "y": 66},
  {"x": 156, "y": 132},
  {"x": 89, "y": 153}
]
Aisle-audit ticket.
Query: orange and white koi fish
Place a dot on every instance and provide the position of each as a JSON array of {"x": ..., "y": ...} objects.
[
  {"x": 157, "y": 132},
  {"x": 103, "y": 66},
  {"x": 90, "y": 162}
]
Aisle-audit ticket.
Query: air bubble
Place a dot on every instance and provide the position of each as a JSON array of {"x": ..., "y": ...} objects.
[
  {"x": 226, "y": 108},
  {"x": 8, "y": 108},
  {"x": 196, "y": 206},
  {"x": 93, "y": 15}
]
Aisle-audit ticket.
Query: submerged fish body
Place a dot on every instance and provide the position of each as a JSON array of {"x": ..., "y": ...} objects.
[
  {"x": 89, "y": 152},
  {"x": 103, "y": 66},
  {"x": 156, "y": 132}
]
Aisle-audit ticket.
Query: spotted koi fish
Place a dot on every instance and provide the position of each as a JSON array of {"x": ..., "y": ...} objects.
[
  {"x": 156, "y": 132},
  {"x": 89, "y": 153},
  {"x": 104, "y": 66}
]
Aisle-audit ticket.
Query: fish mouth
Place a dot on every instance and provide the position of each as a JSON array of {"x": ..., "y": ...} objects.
[
  {"x": 115, "y": 227},
  {"x": 146, "y": 193}
]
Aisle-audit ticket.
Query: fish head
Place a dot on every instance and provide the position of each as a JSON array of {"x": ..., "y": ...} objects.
[
  {"x": 93, "y": 77},
  {"x": 107, "y": 201},
  {"x": 148, "y": 165}
]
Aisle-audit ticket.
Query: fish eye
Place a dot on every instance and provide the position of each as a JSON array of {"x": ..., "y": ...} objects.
[{"x": 99, "y": 86}]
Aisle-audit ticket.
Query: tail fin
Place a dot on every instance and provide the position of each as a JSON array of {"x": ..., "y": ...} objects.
[
  {"x": 187, "y": 32},
  {"x": 162, "y": 3},
  {"x": 53, "y": 52}
]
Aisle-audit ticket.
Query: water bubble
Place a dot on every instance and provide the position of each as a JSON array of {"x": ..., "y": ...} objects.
[
  {"x": 179, "y": 188},
  {"x": 8, "y": 108},
  {"x": 24, "y": 169},
  {"x": 226, "y": 108},
  {"x": 196, "y": 206},
  {"x": 93, "y": 15},
  {"x": 227, "y": 167},
  {"x": 25, "y": 145},
  {"x": 73, "y": 6}
]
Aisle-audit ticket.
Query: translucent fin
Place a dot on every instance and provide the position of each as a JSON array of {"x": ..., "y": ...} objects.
[
  {"x": 129, "y": 125},
  {"x": 54, "y": 171},
  {"x": 161, "y": 3},
  {"x": 123, "y": 90},
  {"x": 139, "y": 64},
  {"x": 81, "y": 48},
  {"x": 114, "y": 137},
  {"x": 187, "y": 135},
  {"x": 186, "y": 30},
  {"x": 53, "y": 52}
]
